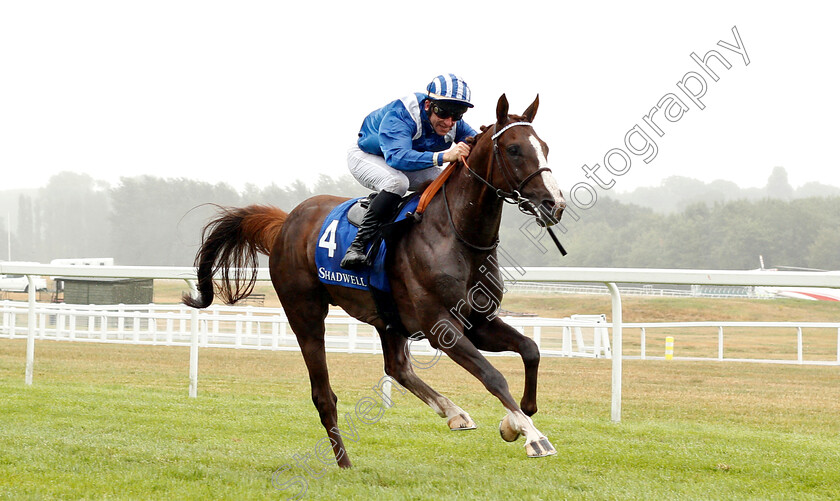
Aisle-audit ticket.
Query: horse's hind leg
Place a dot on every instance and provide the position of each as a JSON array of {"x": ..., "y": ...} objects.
[
  {"x": 307, "y": 321},
  {"x": 398, "y": 366}
]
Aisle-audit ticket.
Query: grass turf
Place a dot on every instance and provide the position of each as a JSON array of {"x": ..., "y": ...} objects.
[{"x": 115, "y": 422}]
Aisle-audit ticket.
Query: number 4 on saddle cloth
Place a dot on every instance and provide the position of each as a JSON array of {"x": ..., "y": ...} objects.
[{"x": 336, "y": 235}]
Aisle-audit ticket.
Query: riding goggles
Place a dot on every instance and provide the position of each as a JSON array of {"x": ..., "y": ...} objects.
[{"x": 453, "y": 111}]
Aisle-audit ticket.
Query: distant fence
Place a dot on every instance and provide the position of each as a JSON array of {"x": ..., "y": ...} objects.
[
  {"x": 608, "y": 276},
  {"x": 707, "y": 291}
]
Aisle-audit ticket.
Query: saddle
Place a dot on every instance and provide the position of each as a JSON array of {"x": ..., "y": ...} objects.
[
  {"x": 339, "y": 229},
  {"x": 357, "y": 210}
]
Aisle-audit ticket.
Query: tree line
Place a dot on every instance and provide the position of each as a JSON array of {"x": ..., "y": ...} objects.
[
  {"x": 154, "y": 221},
  {"x": 144, "y": 220},
  {"x": 724, "y": 235}
]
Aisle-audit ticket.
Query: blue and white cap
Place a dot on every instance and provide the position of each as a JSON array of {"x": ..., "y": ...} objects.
[{"x": 448, "y": 87}]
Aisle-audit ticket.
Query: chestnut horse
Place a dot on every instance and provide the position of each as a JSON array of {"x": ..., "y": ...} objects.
[{"x": 433, "y": 268}]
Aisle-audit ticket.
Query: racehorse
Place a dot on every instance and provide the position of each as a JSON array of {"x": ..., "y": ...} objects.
[{"x": 440, "y": 274}]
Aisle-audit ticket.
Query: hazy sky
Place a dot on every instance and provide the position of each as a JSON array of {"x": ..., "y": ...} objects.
[{"x": 270, "y": 91}]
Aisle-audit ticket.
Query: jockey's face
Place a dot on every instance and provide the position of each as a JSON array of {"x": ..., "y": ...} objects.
[{"x": 441, "y": 125}]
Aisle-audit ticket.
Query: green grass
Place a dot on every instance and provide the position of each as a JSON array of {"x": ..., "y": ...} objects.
[{"x": 115, "y": 422}]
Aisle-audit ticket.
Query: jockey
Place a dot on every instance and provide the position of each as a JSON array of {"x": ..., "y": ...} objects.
[{"x": 403, "y": 145}]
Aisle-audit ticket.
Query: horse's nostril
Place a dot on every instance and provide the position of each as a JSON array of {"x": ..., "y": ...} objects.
[{"x": 552, "y": 211}]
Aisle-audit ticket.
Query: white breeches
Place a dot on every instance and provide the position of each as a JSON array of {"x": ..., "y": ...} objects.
[{"x": 374, "y": 173}]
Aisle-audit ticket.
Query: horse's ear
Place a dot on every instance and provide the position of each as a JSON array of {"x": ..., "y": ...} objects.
[
  {"x": 502, "y": 110},
  {"x": 531, "y": 112}
]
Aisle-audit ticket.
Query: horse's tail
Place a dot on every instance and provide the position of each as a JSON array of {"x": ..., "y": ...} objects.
[{"x": 230, "y": 247}]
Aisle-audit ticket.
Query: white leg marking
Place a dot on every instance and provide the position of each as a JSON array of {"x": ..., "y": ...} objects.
[
  {"x": 523, "y": 424},
  {"x": 536, "y": 444},
  {"x": 437, "y": 407},
  {"x": 445, "y": 408}
]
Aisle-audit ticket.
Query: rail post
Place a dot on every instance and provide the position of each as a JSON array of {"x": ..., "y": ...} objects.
[
  {"x": 30, "y": 338},
  {"x": 617, "y": 353},
  {"x": 799, "y": 344},
  {"x": 193, "y": 352}
]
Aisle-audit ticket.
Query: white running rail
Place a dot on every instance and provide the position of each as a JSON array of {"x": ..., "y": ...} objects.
[{"x": 608, "y": 276}]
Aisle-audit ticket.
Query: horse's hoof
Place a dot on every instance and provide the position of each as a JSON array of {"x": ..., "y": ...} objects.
[
  {"x": 461, "y": 422},
  {"x": 540, "y": 448},
  {"x": 507, "y": 432}
]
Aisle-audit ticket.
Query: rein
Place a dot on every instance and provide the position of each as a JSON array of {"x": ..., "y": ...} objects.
[{"x": 458, "y": 235}]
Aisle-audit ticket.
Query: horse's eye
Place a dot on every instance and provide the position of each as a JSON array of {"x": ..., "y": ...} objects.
[{"x": 513, "y": 150}]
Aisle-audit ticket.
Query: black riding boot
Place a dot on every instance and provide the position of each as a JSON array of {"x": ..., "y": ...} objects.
[{"x": 381, "y": 209}]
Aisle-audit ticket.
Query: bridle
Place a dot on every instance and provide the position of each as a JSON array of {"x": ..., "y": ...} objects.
[{"x": 513, "y": 197}]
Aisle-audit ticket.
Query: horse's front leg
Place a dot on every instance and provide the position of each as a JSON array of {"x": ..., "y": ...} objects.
[
  {"x": 496, "y": 336},
  {"x": 449, "y": 338}
]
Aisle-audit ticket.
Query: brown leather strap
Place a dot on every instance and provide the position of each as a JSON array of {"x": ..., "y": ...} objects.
[{"x": 433, "y": 188}]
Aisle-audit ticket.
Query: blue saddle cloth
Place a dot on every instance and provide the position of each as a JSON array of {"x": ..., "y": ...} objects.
[{"x": 335, "y": 237}]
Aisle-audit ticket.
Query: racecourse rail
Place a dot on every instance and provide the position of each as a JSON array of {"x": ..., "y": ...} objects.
[{"x": 608, "y": 276}]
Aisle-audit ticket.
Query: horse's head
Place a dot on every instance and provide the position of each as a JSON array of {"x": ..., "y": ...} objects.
[{"x": 521, "y": 165}]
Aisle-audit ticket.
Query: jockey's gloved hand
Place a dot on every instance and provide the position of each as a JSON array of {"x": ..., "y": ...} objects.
[{"x": 456, "y": 151}]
